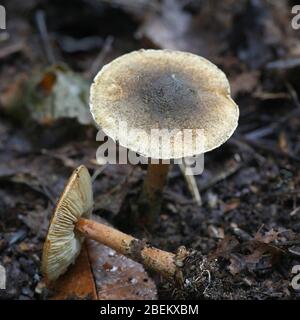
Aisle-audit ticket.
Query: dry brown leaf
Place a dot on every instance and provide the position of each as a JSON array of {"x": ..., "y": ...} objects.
[
  {"x": 237, "y": 263},
  {"x": 231, "y": 205},
  {"x": 283, "y": 142},
  {"x": 117, "y": 277},
  {"x": 244, "y": 83},
  {"x": 268, "y": 237},
  {"x": 171, "y": 28},
  {"x": 100, "y": 273},
  {"x": 77, "y": 283},
  {"x": 225, "y": 247}
]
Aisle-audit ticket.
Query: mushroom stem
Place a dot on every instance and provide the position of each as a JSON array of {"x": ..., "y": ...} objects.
[
  {"x": 151, "y": 197},
  {"x": 160, "y": 261}
]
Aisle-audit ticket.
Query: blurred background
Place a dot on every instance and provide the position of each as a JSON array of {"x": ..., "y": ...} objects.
[{"x": 249, "y": 218}]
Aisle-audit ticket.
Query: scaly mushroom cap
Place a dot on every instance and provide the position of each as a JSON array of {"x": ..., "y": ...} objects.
[
  {"x": 164, "y": 89},
  {"x": 62, "y": 244}
]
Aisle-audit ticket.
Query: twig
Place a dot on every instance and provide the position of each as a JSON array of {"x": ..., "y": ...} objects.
[
  {"x": 42, "y": 27},
  {"x": 293, "y": 95},
  {"x": 247, "y": 148},
  {"x": 240, "y": 233},
  {"x": 192, "y": 184},
  {"x": 260, "y": 145},
  {"x": 289, "y": 243},
  {"x": 97, "y": 172},
  {"x": 90, "y": 73},
  {"x": 265, "y": 131},
  {"x": 295, "y": 211},
  {"x": 221, "y": 176},
  {"x": 135, "y": 6},
  {"x": 11, "y": 49}
]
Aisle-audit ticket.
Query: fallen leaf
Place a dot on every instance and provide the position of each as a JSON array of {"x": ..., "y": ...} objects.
[
  {"x": 77, "y": 282},
  {"x": 231, "y": 205},
  {"x": 171, "y": 28},
  {"x": 118, "y": 277},
  {"x": 101, "y": 273},
  {"x": 58, "y": 93},
  {"x": 244, "y": 83},
  {"x": 268, "y": 237},
  {"x": 225, "y": 247},
  {"x": 11, "y": 96},
  {"x": 237, "y": 263}
]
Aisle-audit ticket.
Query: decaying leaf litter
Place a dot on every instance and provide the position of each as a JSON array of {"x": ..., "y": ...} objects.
[{"x": 249, "y": 219}]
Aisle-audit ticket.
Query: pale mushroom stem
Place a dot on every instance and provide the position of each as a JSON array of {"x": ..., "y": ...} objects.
[
  {"x": 151, "y": 197},
  {"x": 160, "y": 261}
]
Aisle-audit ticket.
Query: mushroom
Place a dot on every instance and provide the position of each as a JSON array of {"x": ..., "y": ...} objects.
[
  {"x": 168, "y": 95},
  {"x": 62, "y": 244},
  {"x": 70, "y": 225}
]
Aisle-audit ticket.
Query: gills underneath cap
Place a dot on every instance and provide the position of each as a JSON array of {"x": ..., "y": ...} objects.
[{"x": 62, "y": 244}]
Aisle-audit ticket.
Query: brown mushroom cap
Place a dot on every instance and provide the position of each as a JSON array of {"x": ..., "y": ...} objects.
[
  {"x": 62, "y": 244},
  {"x": 164, "y": 89}
]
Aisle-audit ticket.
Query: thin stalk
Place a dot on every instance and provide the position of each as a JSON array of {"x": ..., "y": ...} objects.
[
  {"x": 151, "y": 197},
  {"x": 158, "y": 260}
]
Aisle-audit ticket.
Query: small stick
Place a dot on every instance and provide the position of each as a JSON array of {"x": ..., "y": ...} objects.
[
  {"x": 11, "y": 49},
  {"x": 97, "y": 172},
  {"x": 270, "y": 149},
  {"x": 151, "y": 197},
  {"x": 295, "y": 211},
  {"x": 192, "y": 184},
  {"x": 158, "y": 260},
  {"x": 224, "y": 174},
  {"x": 107, "y": 46},
  {"x": 42, "y": 27}
]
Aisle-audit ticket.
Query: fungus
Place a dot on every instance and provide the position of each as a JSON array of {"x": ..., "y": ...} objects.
[
  {"x": 70, "y": 225},
  {"x": 168, "y": 95},
  {"x": 62, "y": 244}
]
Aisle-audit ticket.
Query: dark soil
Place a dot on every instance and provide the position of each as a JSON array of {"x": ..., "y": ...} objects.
[{"x": 247, "y": 232}]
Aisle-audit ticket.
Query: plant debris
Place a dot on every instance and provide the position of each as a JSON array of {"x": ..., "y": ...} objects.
[{"x": 245, "y": 233}]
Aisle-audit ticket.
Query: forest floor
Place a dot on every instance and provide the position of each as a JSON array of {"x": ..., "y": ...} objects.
[{"x": 250, "y": 216}]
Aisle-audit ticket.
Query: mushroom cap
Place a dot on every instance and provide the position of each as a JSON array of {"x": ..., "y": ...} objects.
[
  {"x": 181, "y": 93},
  {"x": 62, "y": 245}
]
